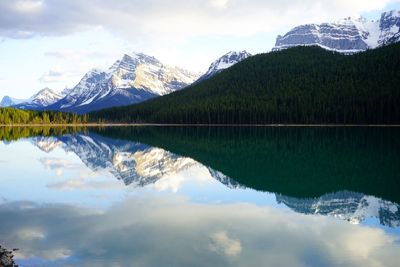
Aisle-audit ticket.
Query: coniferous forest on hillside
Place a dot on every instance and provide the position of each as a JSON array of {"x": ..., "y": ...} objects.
[{"x": 305, "y": 85}]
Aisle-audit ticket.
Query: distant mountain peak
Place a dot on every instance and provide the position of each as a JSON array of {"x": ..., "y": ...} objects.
[
  {"x": 134, "y": 78},
  {"x": 348, "y": 35},
  {"x": 40, "y": 100},
  {"x": 45, "y": 97},
  {"x": 228, "y": 60},
  {"x": 8, "y": 101}
]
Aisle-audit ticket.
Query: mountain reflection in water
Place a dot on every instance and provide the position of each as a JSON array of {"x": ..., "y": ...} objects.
[
  {"x": 318, "y": 178},
  {"x": 139, "y": 164}
]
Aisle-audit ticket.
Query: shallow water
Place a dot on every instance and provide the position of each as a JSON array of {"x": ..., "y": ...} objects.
[{"x": 187, "y": 196}]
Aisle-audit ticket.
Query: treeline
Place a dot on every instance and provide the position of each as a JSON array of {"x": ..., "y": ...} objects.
[
  {"x": 14, "y": 133},
  {"x": 299, "y": 85},
  {"x": 12, "y": 116}
]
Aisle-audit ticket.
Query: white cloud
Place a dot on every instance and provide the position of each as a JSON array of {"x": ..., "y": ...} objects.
[
  {"x": 175, "y": 20},
  {"x": 58, "y": 75},
  {"x": 28, "y": 6},
  {"x": 75, "y": 55},
  {"x": 222, "y": 243},
  {"x": 85, "y": 184},
  {"x": 59, "y": 165},
  {"x": 219, "y": 3},
  {"x": 171, "y": 231}
]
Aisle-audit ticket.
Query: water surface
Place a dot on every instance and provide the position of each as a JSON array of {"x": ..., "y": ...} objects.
[{"x": 200, "y": 196}]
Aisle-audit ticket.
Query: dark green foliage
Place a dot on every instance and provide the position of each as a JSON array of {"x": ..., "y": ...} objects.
[
  {"x": 293, "y": 161},
  {"x": 13, "y": 133},
  {"x": 298, "y": 85},
  {"x": 12, "y": 116}
]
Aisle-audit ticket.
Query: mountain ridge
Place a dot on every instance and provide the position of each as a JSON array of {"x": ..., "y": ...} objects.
[
  {"x": 349, "y": 35},
  {"x": 132, "y": 79},
  {"x": 225, "y": 61},
  {"x": 300, "y": 85}
]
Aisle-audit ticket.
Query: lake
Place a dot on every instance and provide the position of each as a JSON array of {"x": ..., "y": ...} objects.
[{"x": 201, "y": 196}]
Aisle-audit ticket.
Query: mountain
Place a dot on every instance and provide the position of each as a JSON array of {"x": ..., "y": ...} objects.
[
  {"x": 133, "y": 79},
  {"x": 138, "y": 164},
  {"x": 40, "y": 100},
  {"x": 8, "y": 101},
  {"x": 307, "y": 85},
  {"x": 345, "y": 205},
  {"x": 224, "y": 62},
  {"x": 348, "y": 35},
  {"x": 133, "y": 163}
]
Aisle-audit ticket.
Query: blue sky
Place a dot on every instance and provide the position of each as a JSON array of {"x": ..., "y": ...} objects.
[{"x": 53, "y": 43}]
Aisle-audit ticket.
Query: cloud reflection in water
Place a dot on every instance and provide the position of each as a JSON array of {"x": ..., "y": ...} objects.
[{"x": 171, "y": 231}]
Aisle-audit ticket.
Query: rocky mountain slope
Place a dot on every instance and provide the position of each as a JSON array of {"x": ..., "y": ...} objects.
[
  {"x": 139, "y": 165},
  {"x": 134, "y": 78},
  {"x": 132, "y": 163},
  {"x": 224, "y": 62},
  {"x": 40, "y": 100},
  {"x": 348, "y": 35},
  {"x": 349, "y": 206}
]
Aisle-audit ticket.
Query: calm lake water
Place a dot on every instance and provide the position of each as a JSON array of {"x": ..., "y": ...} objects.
[{"x": 187, "y": 196}]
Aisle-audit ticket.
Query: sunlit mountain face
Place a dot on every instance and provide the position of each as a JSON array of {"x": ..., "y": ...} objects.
[{"x": 224, "y": 193}]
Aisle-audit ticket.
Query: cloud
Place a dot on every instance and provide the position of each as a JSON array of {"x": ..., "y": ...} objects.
[
  {"x": 221, "y": 242},
  {"x": 28, "y": 6},
  {"x": 51, "y": 76},
  {"x": 170, "y": 231},
  {"x": 58, "y": 75},
  {"x": 59, "y": 165},
  {"x": 75, "y": 55},
  {"x": 143, "y": 21},
  {"x": 219, "y": 3},
  {"x": 84, "y": 184}
]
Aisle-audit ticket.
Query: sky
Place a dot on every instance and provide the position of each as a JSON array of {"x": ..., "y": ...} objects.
[{"x": 53, "y": 43}]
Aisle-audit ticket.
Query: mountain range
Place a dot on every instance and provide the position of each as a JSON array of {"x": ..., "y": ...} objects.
[
  {"x": 134, "y": 78},
  {"x": 345, "y": 205},
  {"x": 348, "y": 35},
  {"x": 300, "y": 85},
  {"x": 137, "y": 77},
  {"x": 139, "y": 165},
  {"x": 133, "y": 163}
]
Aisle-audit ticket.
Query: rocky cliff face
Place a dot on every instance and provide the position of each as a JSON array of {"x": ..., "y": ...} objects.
[
  {"x": 133, "y": 79},
  {"x": 349, "y": 206},
  {"x": 224, "y": 62},
  {"x": 348, "y": 35}
]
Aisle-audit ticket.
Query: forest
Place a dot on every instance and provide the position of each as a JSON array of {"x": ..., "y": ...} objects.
[
  {"x": 12, "y": 116},
  {"x": 301, "y": 85}
]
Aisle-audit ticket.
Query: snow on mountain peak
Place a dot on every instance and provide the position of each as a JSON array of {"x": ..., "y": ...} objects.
[
  {"x": 224, "y": 62},
  {"x": 348, "y": 35},
  {"x": 45, "y": 97},
  {"x": 229, "y": 60},
  {"x": 133, "y": 78}
]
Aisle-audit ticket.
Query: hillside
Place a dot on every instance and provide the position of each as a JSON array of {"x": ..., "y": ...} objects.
[{"x": 297, "y": 85}]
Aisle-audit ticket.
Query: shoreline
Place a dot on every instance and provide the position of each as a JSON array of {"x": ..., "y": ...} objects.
[{"x": 197, "y": 125}]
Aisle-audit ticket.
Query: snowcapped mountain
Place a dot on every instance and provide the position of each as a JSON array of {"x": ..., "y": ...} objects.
[
  {"x": 8, "y": 101},
  {"x": 133, "y": 79},
  {"x": 139, "y": 165},
  {"x": 224, "y": 62},
  {"x": 345, "y": 205},
  {"x": 349, "y": 35},
  {"x": 40, "y": 100},
  {"x": 133, "y": 163}
]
